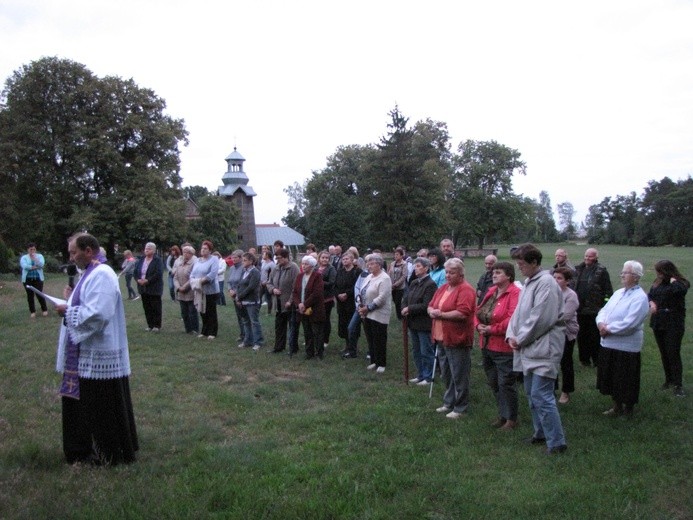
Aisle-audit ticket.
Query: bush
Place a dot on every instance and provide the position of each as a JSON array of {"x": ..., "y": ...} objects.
[{"x": 6, "y": 256}]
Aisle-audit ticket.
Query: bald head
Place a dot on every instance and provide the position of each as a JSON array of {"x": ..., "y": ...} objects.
[{"x": 591, "y": 256}]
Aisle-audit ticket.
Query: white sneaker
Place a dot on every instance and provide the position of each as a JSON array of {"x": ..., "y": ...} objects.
[
  {"x": 380, "y": 370},
  {"x": 154, "y": 329},
  {"x": 443, "y": 409},
  {"x": 147, "y": 329},
  {"x": 371, "y": 366},
  {"x": 414, "y": 380},
  {"x": 241, "y": 345},
  {"x": 257, "y": 347},
  {"x": 200, "y": 335},
  {"x": 454, "y": 415},
  {"x": 211, "y": 337},
  {"x": 423, "y": 382}
]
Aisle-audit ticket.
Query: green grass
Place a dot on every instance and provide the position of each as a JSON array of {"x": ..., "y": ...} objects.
[{"x": 229, "y": 433}]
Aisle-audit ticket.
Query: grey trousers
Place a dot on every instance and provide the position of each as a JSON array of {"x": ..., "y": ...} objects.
[{"x": 455, "y": 364}]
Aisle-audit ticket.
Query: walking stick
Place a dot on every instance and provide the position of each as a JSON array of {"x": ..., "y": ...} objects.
[
  {"x": 405, "y": 340},
  {"x": 433, "y": 375}
]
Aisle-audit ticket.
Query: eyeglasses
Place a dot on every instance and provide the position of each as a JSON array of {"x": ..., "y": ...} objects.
[{"x": 624, "y": 273}]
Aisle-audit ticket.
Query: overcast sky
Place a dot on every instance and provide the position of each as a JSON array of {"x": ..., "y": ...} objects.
[{"x": 596, "y": 95}]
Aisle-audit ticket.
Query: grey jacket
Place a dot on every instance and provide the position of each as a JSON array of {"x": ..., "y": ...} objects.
[{"x": 537, "y": 326}]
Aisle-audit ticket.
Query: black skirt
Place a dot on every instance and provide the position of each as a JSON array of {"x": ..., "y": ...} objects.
[
  {"x": 618, "y": 375},
  {"x": 99, "y": 428}
]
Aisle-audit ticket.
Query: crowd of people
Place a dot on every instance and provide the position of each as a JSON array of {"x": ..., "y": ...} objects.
[{"x": 526, "y": 331}]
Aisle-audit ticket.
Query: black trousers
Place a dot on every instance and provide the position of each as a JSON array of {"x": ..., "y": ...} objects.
[
  {"x": 588, "y": 339},
  {"x": 210, "y": 323},
  {"x": 100, "y": 426},
  {"x": 669, "y": 343},
  {"x": 313, "y": 333},
  {"x": 31, "y": 294},
  {"x": 152, "y": 310}
]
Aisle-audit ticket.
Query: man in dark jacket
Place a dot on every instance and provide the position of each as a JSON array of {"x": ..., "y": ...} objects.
[
  {"x": 149, "y": 271},
  {"x": 593, "y": 287}
]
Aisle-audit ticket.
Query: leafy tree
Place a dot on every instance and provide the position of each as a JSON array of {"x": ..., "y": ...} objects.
[
  {"x": 196, "y": 193},
  {"x": 406, "y": 179},
  {"x": 667, "y": 212},
  {"x": 484, "y": 205},
  {"x": 98, "y": 153},
  {"x": 218, "y": 222},
  {"x": 566, "y": 214},
  {"x": 334, "y": 198},
  {"x": 546, "y": 225},
  {"x": 296, "y": 216}
]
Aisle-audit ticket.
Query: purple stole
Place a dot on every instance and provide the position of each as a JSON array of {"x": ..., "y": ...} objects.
[{"x": 70, "y": 385}]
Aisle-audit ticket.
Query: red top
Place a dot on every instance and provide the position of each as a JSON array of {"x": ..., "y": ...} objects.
[
  {"x": 456, "y": 332},
  {"x": 502, "y": 312}
]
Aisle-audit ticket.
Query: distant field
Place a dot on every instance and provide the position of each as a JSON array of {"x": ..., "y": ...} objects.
[{"x": 229, "y": 433}]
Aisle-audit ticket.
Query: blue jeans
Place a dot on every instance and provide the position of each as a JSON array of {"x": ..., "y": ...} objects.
[
  {"x": 354, "y": 332},
  {"x": 423, "y": 351},
  {"x": 222, "y": 298},
  {"x": 252, "y": 331},
  {"x": 542, "y": 404}
]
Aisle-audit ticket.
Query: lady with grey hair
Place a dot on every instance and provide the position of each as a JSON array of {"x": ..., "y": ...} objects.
[
  {"x": 452, "y": 311},
  {"x": 149, "y": 271},
  {"x": 374, "y": 309},
  {"x": 620, "y": 324},
  {"x": 184, "y": 294},
  {"x": 415, "y": 311}
]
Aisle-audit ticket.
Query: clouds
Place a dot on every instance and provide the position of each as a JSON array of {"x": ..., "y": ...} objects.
[{"x": 596, "y": 96}]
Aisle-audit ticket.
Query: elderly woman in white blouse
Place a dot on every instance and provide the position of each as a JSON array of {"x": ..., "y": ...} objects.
[
  {"x": 620, "y": 324},
  {"x": 374, "y": 308}
]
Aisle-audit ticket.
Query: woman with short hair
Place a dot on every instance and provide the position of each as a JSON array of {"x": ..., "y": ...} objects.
[
  {"x": 397, "y": 271},
  {"x": 564, "y": 277},
  {"x": 374, "y": 309},
  {"x": 491, "y": 321},
  {"x": 329, "y": 276},
  {"x": 308, "y": 298},
  {"x": 452, "y": 311},
  {"x": 344, "y": 283},
  {"x": 32, "y": 275},
  {"x": 203, "y": 280},
  {"x": 184, "y": 294},
  {"x": 415, "y": 310},
  {"x": 620, "y": 324}
]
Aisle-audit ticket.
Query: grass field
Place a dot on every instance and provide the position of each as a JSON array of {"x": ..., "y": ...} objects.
[{"x": 230, "y": 433}]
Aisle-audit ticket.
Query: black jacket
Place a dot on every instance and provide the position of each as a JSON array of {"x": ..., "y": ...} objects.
[
  {"x": 154, "y": 274},
  {"x": 417, "y": 298},
  {"x": 597, "y": 290}
]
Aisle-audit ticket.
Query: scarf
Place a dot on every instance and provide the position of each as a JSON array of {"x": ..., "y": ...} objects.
[{"x": 70, "y": 385}]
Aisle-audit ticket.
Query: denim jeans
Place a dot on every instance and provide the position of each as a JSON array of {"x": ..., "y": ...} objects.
[
  {"x": 252, "y": 331},
  {"x": 423, "y": 352},
  {"x": 354, "y": 331},
  {"x": 542, "y": 404}
]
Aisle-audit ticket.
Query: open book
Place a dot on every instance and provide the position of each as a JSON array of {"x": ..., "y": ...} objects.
[{"x": 55, "y": 301}]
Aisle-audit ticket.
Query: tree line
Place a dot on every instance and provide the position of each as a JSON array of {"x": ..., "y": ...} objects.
[
  {"x": 80, "y": 152},
  {"x": 411, "y": 189}
]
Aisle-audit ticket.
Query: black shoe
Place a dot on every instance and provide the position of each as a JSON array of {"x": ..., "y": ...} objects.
[
  {"x": 678, "y": 391},
  {"x": 534, "y": 440},
  {"x": 556, "y": 450},
  {"x": 309, "y": 356},
  {"x": 276, "y": 351},
  {"x": 349, "y": 355},
  {"x": 666, "y": 386}
]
